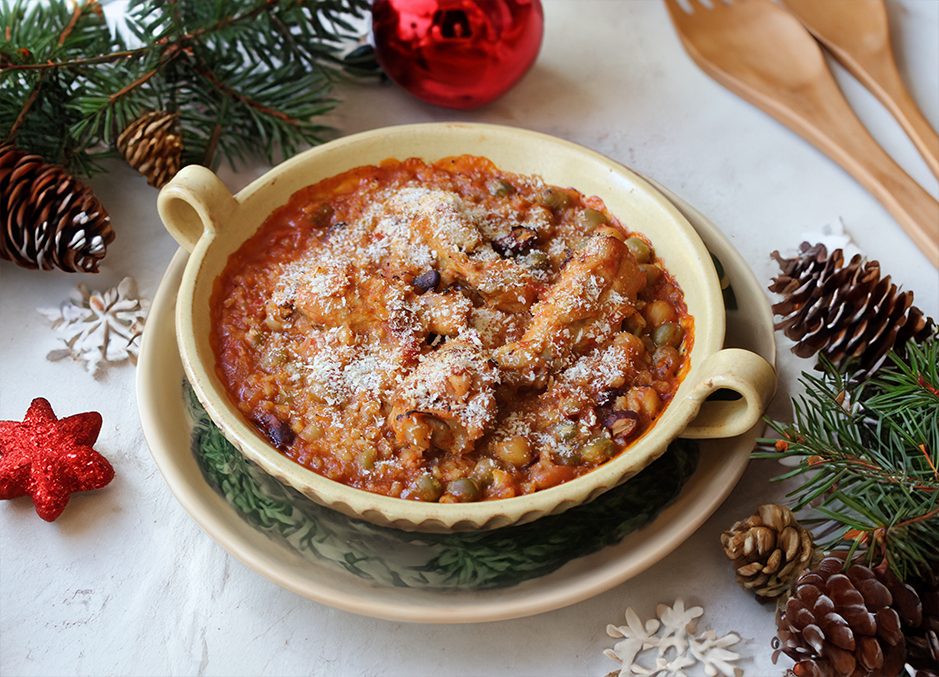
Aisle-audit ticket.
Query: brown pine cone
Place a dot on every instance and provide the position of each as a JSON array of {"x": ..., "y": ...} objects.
[
  {"x": 846, "y": 623},
  {"x": 922, "y": 641},
  {"x": 48, "y": 219},
  {"x": 153, "y": 145},
  {"x": 770, "y": 550},
  {"x": 848, "y": 313}
]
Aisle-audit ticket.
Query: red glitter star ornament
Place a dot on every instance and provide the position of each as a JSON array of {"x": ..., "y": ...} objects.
[{"x": 48, "y": 458}]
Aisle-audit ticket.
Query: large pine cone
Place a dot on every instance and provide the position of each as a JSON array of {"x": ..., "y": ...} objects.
[
  {"x": 770, "y": 550},
  {"x": 849, "y": 313},
  {"x": 922, "y": 641},
  {"x": 48, "y": 218},
  {"x": 153, "y": 145},
  {"x": 847, "y": 624}
]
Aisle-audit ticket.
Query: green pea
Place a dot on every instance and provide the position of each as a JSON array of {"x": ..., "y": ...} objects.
[
  {"x": 591, "y": 219},
  {"x": 565, "y": 431},
  {"x": 634, "y": 324},
  {"x": 426, "y": 488},
  {"x": 276, "y": 358},
  {"x": 640, "y": 249},
  {"x": 464, "y": 490},
  {"x": 568, "y": 456},
  {"x": 536, "y": 260},
  {"x": 482, "y": 472},
  {"x": 500, "y": 188},
  {"x": 668, "y": 334},
  {"x": 553, "y": 198},
  {"x": 598, "y": 450}
]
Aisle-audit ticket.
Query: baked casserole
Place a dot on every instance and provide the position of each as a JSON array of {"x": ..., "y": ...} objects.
[{"x": 448, "y": 331}]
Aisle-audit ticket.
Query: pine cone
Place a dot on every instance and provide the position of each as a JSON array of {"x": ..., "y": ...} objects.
[
  {"x": 770, "y": 550},
  {"x": 48, "y": 218},
  {"x": 153, "y": 145},
  {"x": 922, "y": 641},
  {"x": 846, "y": 624},
  {"x": 847, "y": 312}
]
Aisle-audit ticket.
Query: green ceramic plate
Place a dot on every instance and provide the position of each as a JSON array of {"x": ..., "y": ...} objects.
[
  {"x": 469, "y": 560},
  {"x": 486, "y": 576}
]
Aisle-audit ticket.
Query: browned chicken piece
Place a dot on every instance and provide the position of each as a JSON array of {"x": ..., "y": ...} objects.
[
  {"x": 445, "y": 314},
  {"x": 329, "y": 295},
  {"x": 443, "y": 224},
  {"x": 589, "y": 377},
  {"x": 596, "y": 291},
  {"x": 339, "y": 295},
  {"x": 448, "y": 401}
]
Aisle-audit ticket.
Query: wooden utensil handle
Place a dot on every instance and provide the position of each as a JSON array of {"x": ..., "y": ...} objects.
[
  {"x": 824, "y": 118},
  {"x": 878, "y": 72},
  {"x": 917, "y": 127}
]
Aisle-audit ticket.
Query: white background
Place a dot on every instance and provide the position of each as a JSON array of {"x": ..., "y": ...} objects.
[{"x": 125, "y": 583}]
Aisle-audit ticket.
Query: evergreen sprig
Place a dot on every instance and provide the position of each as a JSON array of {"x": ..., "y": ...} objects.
[
  {"x": 37, "y": 108},
  {"x": 247, "y": 78},
  {"x": 868, "y": 457}
]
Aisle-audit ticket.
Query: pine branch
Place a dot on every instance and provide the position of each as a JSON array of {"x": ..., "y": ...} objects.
[
  {"x": 868, "y": 454},
  {"x": 36, "y": 108},
  {"x": 247, "y": 78}
]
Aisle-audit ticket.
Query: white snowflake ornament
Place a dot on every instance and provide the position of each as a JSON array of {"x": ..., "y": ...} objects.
[
  {"x": 712, "y": 652},
  {"x": 636, "y": 638},
  {"x": 99, "y": 328},
  {"x": 666, "y": 646}
]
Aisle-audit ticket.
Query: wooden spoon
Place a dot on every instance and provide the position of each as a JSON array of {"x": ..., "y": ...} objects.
[
  {"x": 858, "y": 36},
  {"x": 762, "y": 53}
]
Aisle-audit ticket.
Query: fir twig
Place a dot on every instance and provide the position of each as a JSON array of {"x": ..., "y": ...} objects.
[
  {"x": 246, "y": 78},
  {"x": 868, "y": 453}
]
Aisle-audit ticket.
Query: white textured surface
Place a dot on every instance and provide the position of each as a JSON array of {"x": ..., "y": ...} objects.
[{"x": 124, "y": 583}]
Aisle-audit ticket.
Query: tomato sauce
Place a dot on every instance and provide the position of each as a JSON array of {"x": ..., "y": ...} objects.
[{"x": 448, "y": 331}]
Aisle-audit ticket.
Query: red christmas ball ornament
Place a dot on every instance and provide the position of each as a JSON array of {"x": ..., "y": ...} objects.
[{"x": 457, "y": 53}]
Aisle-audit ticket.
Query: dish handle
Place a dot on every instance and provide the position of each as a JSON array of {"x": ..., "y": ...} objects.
[
  {"x": 194, "y": 203},
  {"x": 737, "y": 370}
]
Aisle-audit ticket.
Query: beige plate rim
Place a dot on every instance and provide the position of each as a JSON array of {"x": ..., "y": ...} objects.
[{"x": 162, "y": 414}]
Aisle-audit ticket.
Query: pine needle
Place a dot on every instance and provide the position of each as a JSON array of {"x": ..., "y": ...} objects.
[
  {"x": 868, "y": 452},
  {"x": 247, "y": 78}
]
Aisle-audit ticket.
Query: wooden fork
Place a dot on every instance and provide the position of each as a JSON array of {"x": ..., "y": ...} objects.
[{"x": 763, "y": 54}]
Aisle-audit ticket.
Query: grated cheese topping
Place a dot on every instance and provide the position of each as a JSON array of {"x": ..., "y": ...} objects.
[{"x": 374, "y": 317}]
